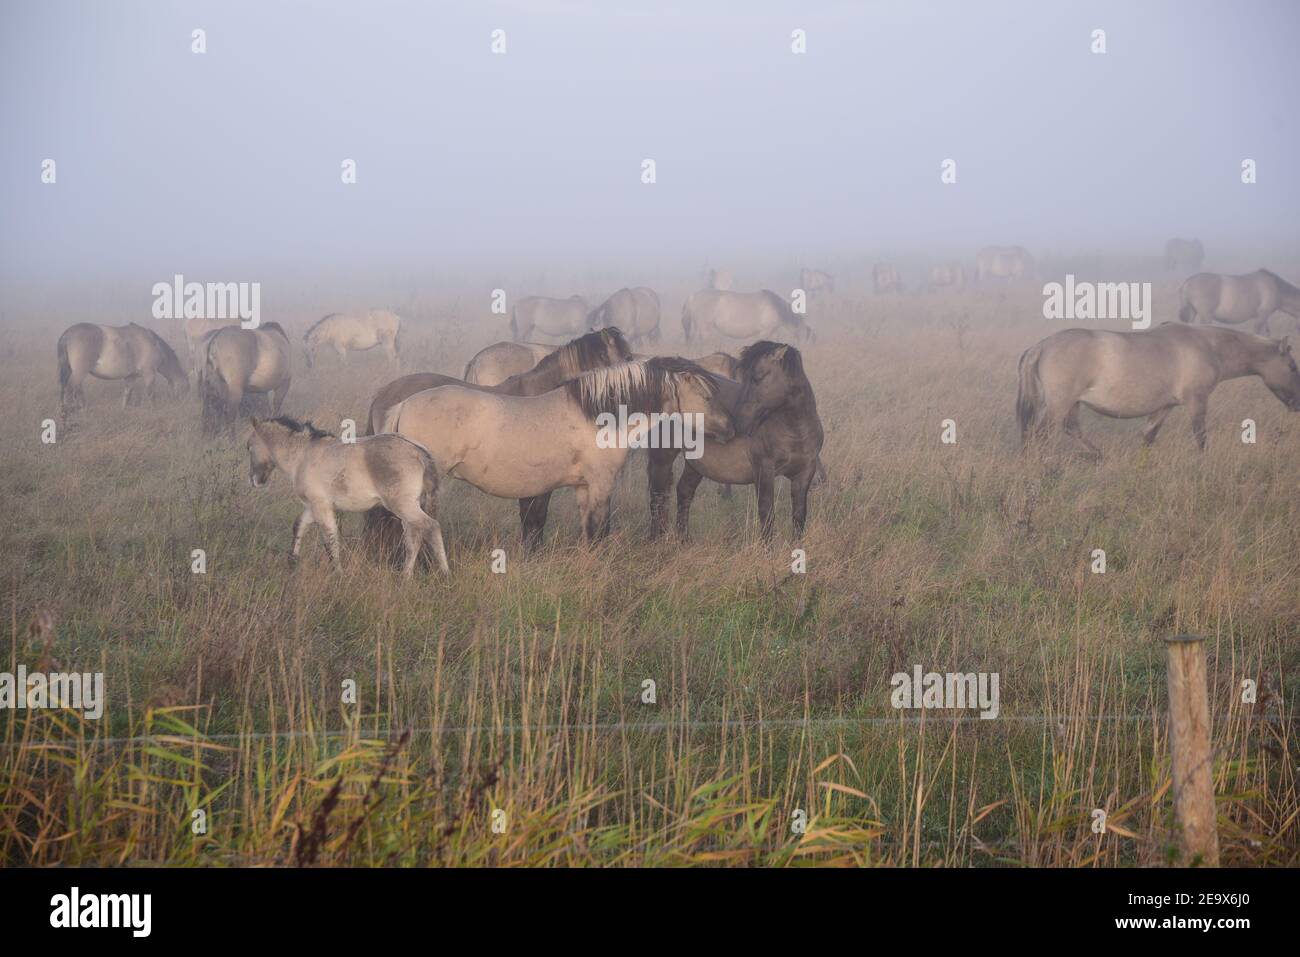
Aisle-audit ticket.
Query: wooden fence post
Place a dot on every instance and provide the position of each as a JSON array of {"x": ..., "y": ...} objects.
[{"x": 1189, "y": 743}]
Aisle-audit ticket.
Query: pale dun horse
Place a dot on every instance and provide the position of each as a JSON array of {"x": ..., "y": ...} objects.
[
  {"x": 346, "y": 333},
  {"x": 330, "y": 475},
  {"x": 130, "y": 352},
  {"x": 1127, "y": 375}
]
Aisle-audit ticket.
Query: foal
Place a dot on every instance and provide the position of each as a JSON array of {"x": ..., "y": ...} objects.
[{"x": 387, "y": 470}]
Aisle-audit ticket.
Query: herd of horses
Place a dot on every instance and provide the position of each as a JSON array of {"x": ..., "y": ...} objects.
[{"x": 524, "y": 419}]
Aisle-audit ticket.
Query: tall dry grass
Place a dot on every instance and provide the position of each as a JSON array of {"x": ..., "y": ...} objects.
[{"x": 516, "y": 700}]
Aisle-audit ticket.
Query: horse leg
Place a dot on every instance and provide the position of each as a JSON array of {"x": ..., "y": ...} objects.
[
  {"x": 433, "y": 535},
  {"x": 659, "y": 471},
  {"x": 1073, "y": 430},
  {"x": 598, "y": 512},
  {"x": 765, "y": 484},
  {"x": 329, "y": 527},
  {"x": 686, "y": 486},
  {"x": 1154, "y": 422},
  {"x": 1196, "y": 405},
  {"x": 532, "y": 516},
  {"x": 412, "y": 537},
  {"x": 799, "y": 486},
  {"x": 583, "y": 495},
  {"x": 300, "y": 526}
]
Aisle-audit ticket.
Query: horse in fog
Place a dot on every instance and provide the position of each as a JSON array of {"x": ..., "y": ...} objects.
[
  {"x": 551, "y": 317},
  {"x": 524, "y": 447},
  {"x": 1185, "y": 254},
  {"x": 778, "y": 432},
  {"x": 495, "y": 363},
  {"x": 1234, "y": 299},
  {"x": 1003, "y": 262},
  {"x": 949, "y": 275},
  {"x": 1126, "y": 375},
  {"x": 329, "y": 475},
  {"x": 130, "y": 352},
  {"x": 816, "y": 283},
  {"x": 740, "y": 315},
  {"x": 635, "y": 311},
  {"x": 239, "y": 362},
  {"x": 345, "y": 332},
  {"x": 885, "y": 279}
]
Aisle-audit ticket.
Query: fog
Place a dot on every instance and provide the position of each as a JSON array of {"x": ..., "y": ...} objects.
[{"x": 227, "y": 164}]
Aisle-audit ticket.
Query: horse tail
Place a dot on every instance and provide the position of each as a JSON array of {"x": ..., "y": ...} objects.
[
  {"x": 65, "y": 367},
  {"x": 1029, "y": 397}
]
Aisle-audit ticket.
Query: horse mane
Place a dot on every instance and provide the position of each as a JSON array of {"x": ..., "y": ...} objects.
[
  {"x": 293, "y": 425},
  {"x": 638, "y": 385},
  {"x": 312, "y": 328},
  {"x": 167, "y": 351},
  {"x": 791, "y": 361},
  {"x": 585, "y": 353}
]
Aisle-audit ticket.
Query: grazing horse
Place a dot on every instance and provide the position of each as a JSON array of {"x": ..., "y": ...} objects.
[
  {"x": 527, "y": 446},
  {"x": 1003, "y": 262},
  {"x": 327, "y": 474},
  {"x": 494, "y": 364},
  {"x": 346, "y": 333},
  {"x": 1184, "y": 254},
  {"x": 1125, "y": 375},
  {"x": 885, "y": 279},
  {"x": 778, "y": 432},
  {"x": 740, "y": 315},
  {"x": 551, "y": 317},
  {"x": 634, "y": 310},
  {"x": 129, "y": 352},
  {"x": 815, "y": 282},
  {"x": 595, "y": 350},
  {"x": 237, "y": 362},
  {"x": 1233, "y": 299}
]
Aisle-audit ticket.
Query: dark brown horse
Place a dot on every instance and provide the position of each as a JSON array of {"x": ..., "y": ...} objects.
[{"x": 778, "y": 432}]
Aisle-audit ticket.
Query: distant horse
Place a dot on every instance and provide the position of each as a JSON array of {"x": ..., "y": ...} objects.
[
  {"x": 815, "y": 282},
  {"x": 495, "y": 363},
  {"x": 1184, "y": 254},
  {"x": 345, "y": 332},
  {"x": 327, "y": 474},
  {"x": 885, "y": 279},
  {"x": 551, "y": 317},
  {"x": 129, "y": 352},
  {"x": 527, "y": 446},
  {"x": 1125, "y": 375},
  {"x": 949, "y": 275},
  {"x": 778, "y": 432},
  {"x": 1003, "y": 262},
  {"x": 237, "y": 362},
  {"x": 635, "y": 311},
  {"x": 740, "y": 315},
  {"x": 1233, "y": 299},
  {"x": 595, "y": 350}
]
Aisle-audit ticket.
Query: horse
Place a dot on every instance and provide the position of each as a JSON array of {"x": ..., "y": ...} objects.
[
  {"x": 551, "y": 317},
  {"x": 327, "y": 475},
  {"x": 778, "y": 432},
  {"x": 197, "y": 329},
  {"x": 494, "y": 364},
  {"x": 595, "y": 350},
  {"x": 949, "y": 275},
  {"x": 740, "y": 315},
  {"x": 1235, "y": 299},
  {"x": 239, "y": 361},
  {"x": 1125, "y": 375},
  {"x": 885, "y": 279},
  {"x": 1184, "y": 253},
  {"x": 815, "y": 282},
  {"x": 524, "y": 447},
  {"x": 344, "y": 333},
  {"x": 129, "y": 352},
  {"x": 634, "y": 310},
  {"x": 1003, "y": 262}
]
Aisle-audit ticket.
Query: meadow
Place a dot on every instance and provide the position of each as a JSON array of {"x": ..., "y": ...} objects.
[{"x": 502, "y": 719}]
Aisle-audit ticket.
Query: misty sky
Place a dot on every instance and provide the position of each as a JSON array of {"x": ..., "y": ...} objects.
[{"x": 229, "y": 162}]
